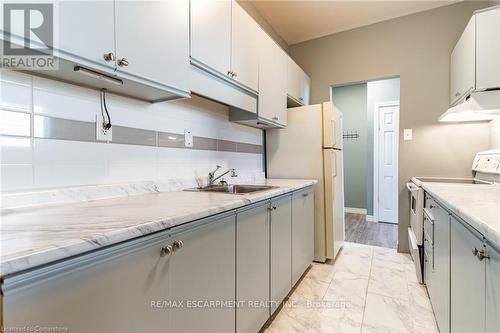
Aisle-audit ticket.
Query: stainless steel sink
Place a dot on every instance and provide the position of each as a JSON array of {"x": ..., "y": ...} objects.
[{"x": 233, "y": 189}]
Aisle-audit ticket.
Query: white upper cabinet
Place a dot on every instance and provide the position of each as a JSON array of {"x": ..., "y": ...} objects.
[
  {"x": 211, "y": 34},
  {"x": 86, "y": 41},
  {"x": 475, "y": 60},
  {"x": 488, "y": 49},
  {"x": 272, "y": 81},
  {"x": 463, "y": 57},
  {"x": 244, "y": 48},
  {"x": 152, "y": 41},
  {"x": 298, "y": 86}
]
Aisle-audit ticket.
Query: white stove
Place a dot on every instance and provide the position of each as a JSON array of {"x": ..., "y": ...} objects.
[{"x": 485, "y": 170}]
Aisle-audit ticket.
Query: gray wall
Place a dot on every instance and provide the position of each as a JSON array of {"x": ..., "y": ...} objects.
[
  {"x": 351, "y": 101},
  {"x": 416, "y": 48},
  {"x": 254, "y": 13},
  {"x": 378, "y": 91},
  {"x": 495, "y": 134}
]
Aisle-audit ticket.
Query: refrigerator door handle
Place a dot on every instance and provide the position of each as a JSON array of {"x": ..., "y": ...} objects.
[
  {"x": 334, "y": 134},
  {"x": 335, "y": 164}
]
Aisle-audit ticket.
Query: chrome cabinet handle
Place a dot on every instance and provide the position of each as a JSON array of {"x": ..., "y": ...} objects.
[
  {"x": 178, "y": 244},
  {"x": 235, "y": 74},
  {"x": 301, "y": 98},
  {"x": 166, "y": 250},
  {"x": 109, "y": 57},
  {"x": 432, "y": 206},
  {"x": 123, "y": 62},
  {"x": 274, "y": 207},
  {"x": 480, "y": 254},
  {"x": 271, "y": 208},
  {"x": 457, "y": 94},
  {"x": 305, "y": 194},
  {"x": 229, "y": 73},
  {"x": 275, "y": 118}
]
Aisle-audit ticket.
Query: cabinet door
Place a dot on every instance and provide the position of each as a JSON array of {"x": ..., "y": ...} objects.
[
  {"x": 492, "y": 290},
  {"x": 252, "y": 268},
  {"x": 439, "y": 290},
  {"x": 211, "y": 34},
  {"x": 86, "y": 41},
  {"x": 153, "y": 36},
  {"x": 272, "y": 81},
  {"x": 463, "y": 63},
  {"x": 467, "y": 294},
  {"x": 488, "y": 49},
  {"x": 302, "y": 232},
  {"x": 244, "y": 48},
  {"x": 281, "y": 250},
  {"x": 203, "y": 269},
  {"x": 293, "y": 80},
  {"x": 305, "y": 88},
  {"x": 112, "y": 292}
]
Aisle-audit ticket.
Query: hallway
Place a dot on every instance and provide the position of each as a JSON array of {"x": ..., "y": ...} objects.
[{"x": 358, "y": 230}]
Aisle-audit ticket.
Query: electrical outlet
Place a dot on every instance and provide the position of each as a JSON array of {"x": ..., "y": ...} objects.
[
  {"x": 407, "y": 134},
  {"x": 102, "y": 134},
  {"x": 188, "y": 138}
]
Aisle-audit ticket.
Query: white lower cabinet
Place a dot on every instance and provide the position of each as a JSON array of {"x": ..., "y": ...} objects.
[
  {"x": 281, "y": 250},
  {"x": 463, "y": 284},
  {"x": 439, "y": 277},
  {"x": 185, "y": 279},
  {"x": 492, "y": 289},
  {"x": 110, "y": 291},
  {"x": 302, "y": 232},
  {"x": 467, "y": 277},
  {"x": 202, "y": 271},
  {"x": 252, "y": 268}
]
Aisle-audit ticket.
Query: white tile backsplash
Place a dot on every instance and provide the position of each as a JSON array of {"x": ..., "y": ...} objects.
[{"x": 42, "y": 163}]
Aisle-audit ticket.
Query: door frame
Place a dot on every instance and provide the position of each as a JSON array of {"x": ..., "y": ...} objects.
[{"x": 376, "y": 119}]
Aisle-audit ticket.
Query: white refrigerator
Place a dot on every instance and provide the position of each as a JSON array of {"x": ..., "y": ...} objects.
[{"x": 310, "y": 147}]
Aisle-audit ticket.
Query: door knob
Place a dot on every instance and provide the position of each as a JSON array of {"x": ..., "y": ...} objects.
[
  {"x": 166, "y": 250},
  {"x": 109, "y": 57},
  {"x": 123, "y": 62},
  {"x": 178, "y": 244}
]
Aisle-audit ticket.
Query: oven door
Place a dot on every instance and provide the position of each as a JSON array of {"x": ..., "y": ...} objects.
[
  {"x": 415, "y": 252},
  {"x": 416, "y": 212}
]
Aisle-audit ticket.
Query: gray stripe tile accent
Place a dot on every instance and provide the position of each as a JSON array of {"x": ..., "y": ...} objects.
[
  {"x": 224, "y": 145},
  {"x": 170, "y": 140},
  {"x": 75, "y": 130},
  {"x": 133, "y": 136},
  {"x": 63, "y": 129},
  {"x": 248, "y": 148},
  {"x": 204, "y": 143}
]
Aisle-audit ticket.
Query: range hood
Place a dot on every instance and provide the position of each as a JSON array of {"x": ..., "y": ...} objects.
[{"x": 478, "y": 106}]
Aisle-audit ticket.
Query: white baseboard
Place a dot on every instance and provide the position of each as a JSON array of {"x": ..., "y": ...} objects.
[
  {"x": 355, "y": 210},
  {"x": 370, "y": 218}
]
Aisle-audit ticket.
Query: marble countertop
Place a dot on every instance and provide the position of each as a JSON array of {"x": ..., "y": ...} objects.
[
  {"x": 35, "y": 236},
  {"x": 478, "y": 205}
]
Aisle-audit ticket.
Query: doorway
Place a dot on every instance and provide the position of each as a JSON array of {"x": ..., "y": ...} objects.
[{"x": 370, "y": 152}]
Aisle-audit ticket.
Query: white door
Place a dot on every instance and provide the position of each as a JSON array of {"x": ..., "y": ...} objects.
[
  {"x": 211, "y": 34},
  {"x": 245, "y": 48},
  {"x": 153, "y": 36},
  {"x": 386, "y": 162}
]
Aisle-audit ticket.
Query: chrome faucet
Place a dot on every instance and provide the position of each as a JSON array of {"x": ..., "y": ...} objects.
[{"x": 212, "y": 178}]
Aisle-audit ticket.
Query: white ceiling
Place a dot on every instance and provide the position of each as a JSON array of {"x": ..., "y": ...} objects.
[{"x": 298, "y": 21}]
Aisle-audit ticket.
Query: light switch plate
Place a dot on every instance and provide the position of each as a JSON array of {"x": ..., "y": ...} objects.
[
  {"x": 101, "y": 133},
  {"x": 408, "y": 134},
  {"x": 188, "y": 138}
]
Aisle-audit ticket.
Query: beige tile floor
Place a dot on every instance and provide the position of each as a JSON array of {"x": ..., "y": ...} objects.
[{"x": 368, "y": 289}]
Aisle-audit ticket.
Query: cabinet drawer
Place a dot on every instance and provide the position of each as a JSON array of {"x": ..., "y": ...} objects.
[{"x": 428, "y": 227}]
